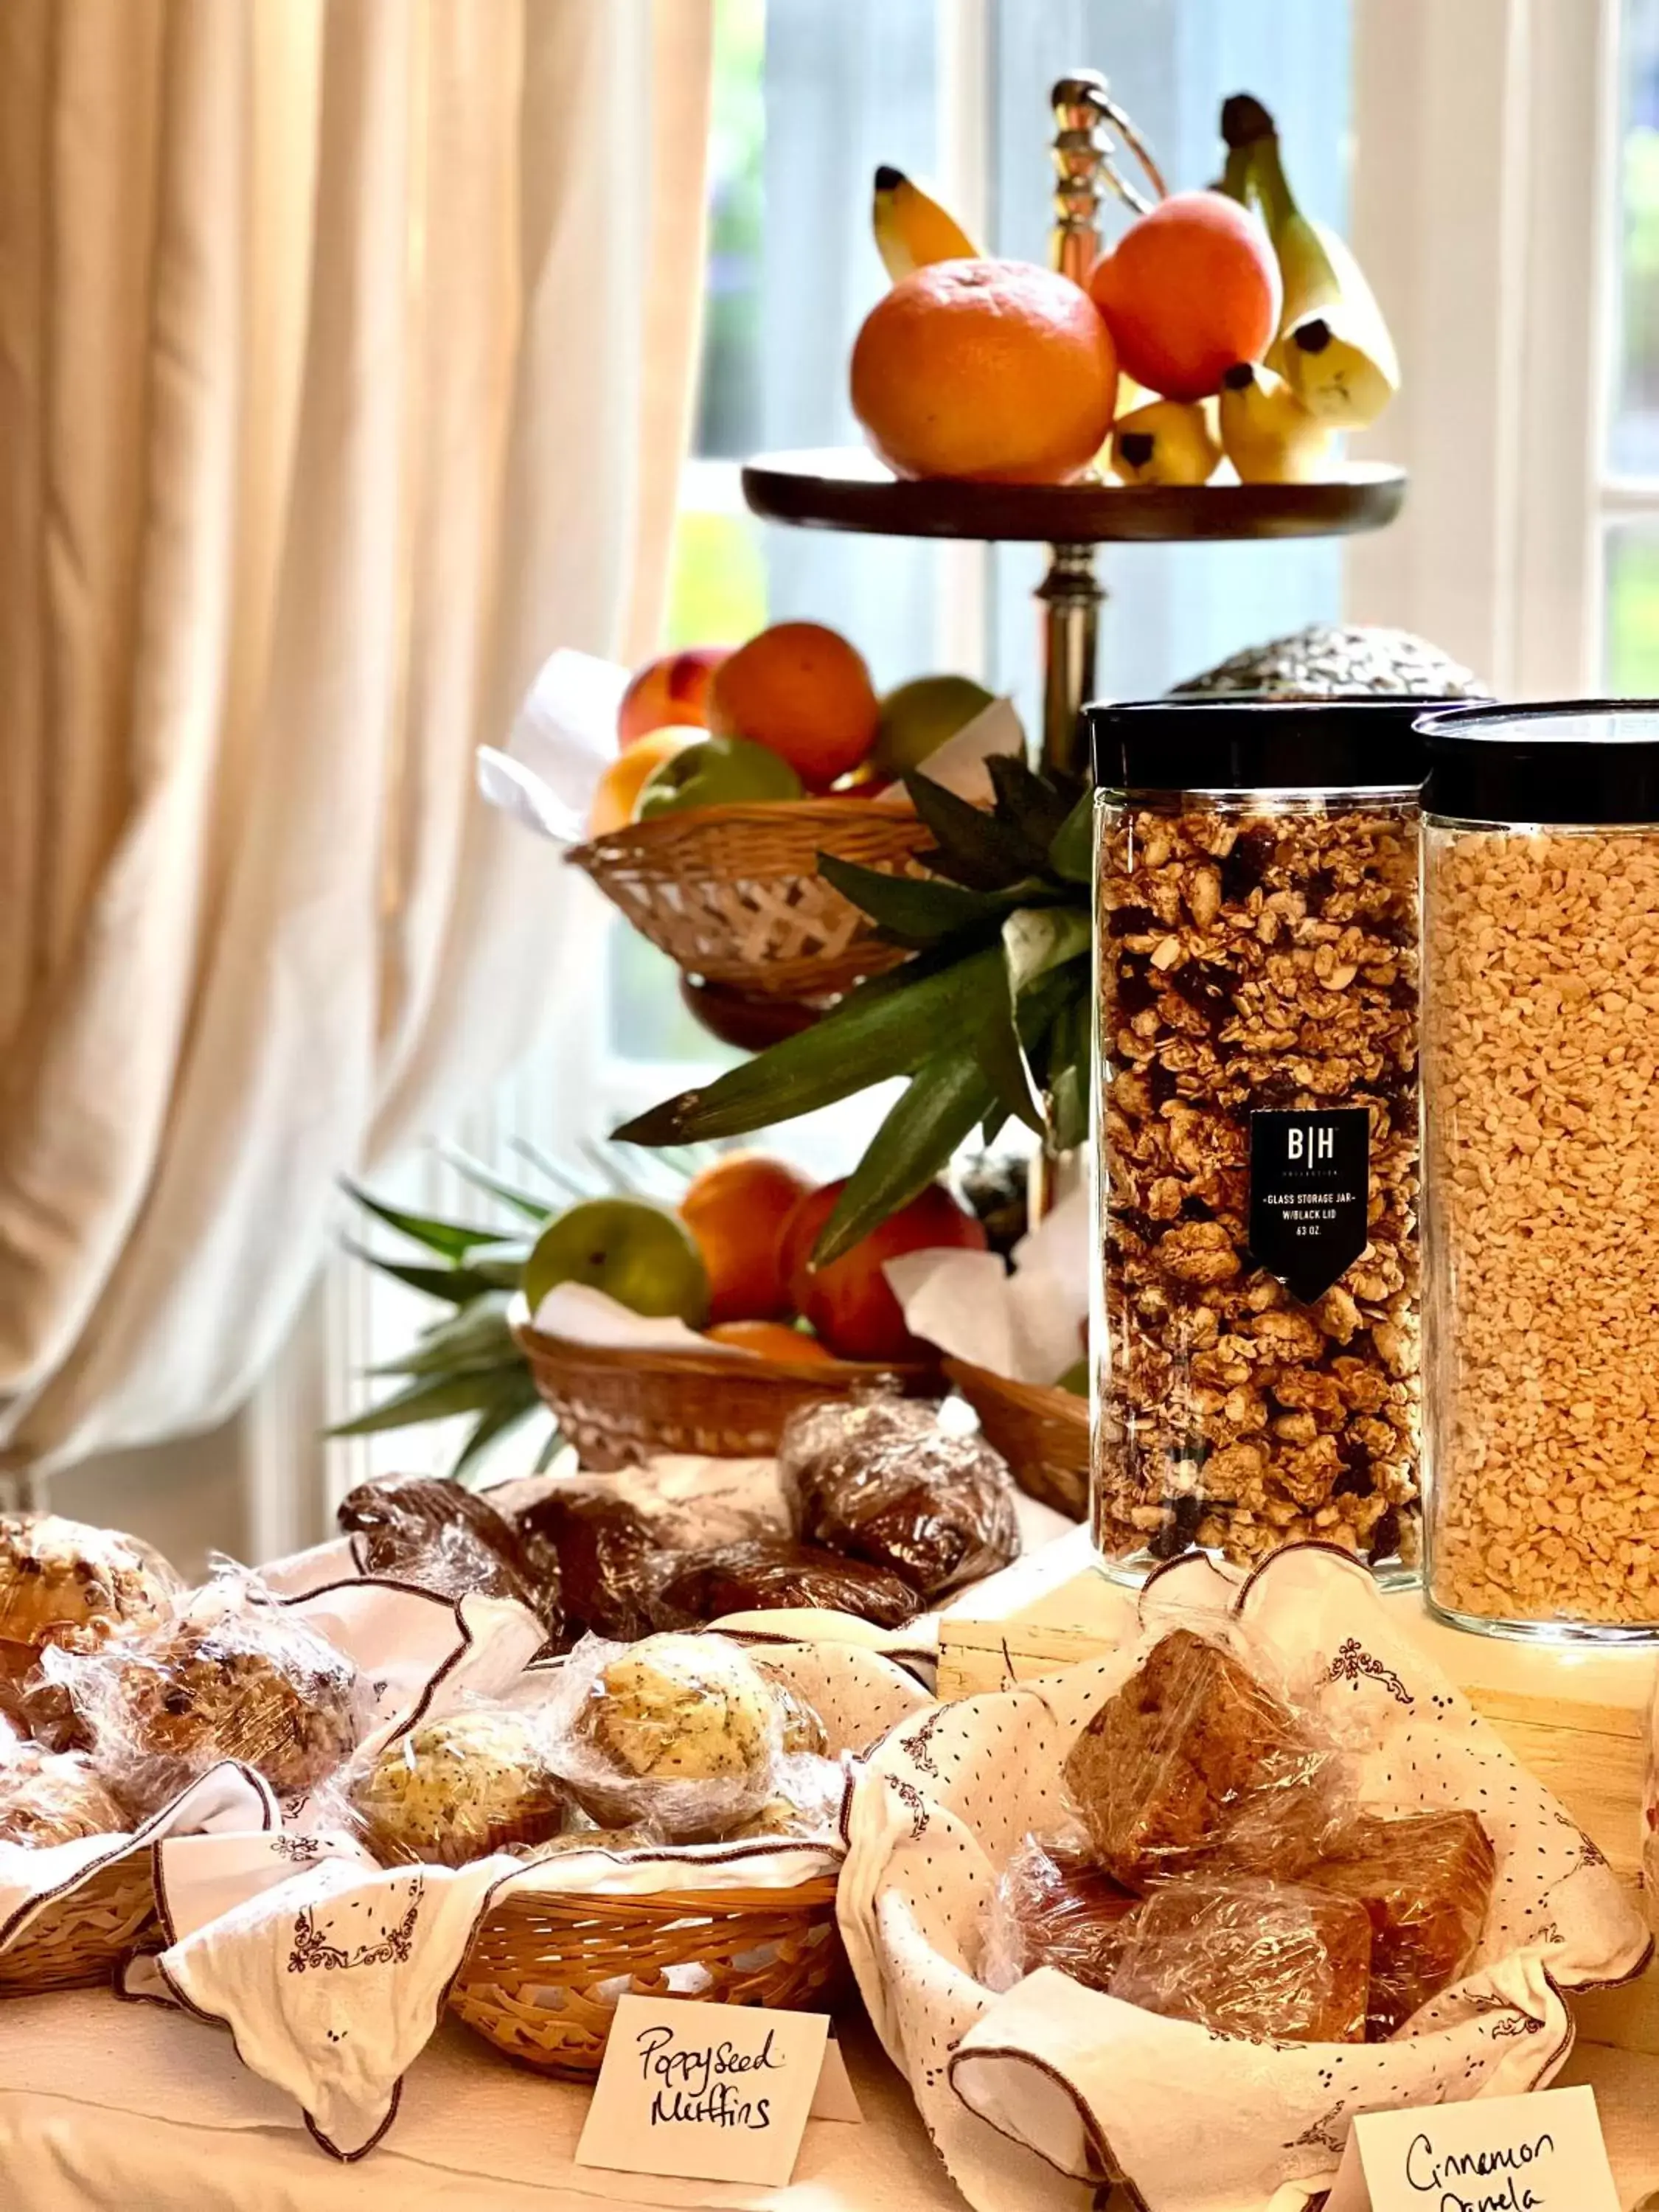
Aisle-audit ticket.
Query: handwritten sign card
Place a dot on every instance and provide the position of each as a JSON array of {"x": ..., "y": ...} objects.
[
  {"x": 1542, "y": 2152},
  {"x": 704, "y": 2091}
]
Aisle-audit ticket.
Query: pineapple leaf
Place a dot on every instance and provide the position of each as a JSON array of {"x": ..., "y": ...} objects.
[
  {"x": 1036, "y": 940},
  {"x": 874, "y": 1033},
  {"x": 943, "y": 1101},
  {"x": 564, "y": 1178},
  {"x": 454, "y": 1284},
  {"x": 978, "y": 850},
  {"x": 435, "y": 1398},
  {"x": 1066, "y": 1078},
  {"x": 453, "y": 1240},
  {"x": 997, "y": 1049},
  {"x": 479, "y": 1175},
  {"x": 1036, "y": 806},
  {"x": 496, "y": 1421},
  {"x": 914, "y": 912},
  {"x": 1072, "y": 850},
  {"x": 475, "y": 1336}
]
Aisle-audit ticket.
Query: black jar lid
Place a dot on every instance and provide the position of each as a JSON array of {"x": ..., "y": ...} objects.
[
  {"x": 1571, "y": 761},
  {"x": 1250, "y": 742}
]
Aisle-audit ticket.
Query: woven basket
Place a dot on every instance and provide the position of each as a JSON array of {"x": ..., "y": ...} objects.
[
  {"x": 544, "y": 1973},
  {"x": 618, "y": 1408},
  {"x": 733, "y": 893},
  {"x": 1042, "y": 1431},
  {"x": 80, "y": 1939}
]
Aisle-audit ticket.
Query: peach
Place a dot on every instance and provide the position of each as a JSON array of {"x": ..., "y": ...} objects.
[
  {"x": 672, "y": 692},
  {"x": 849, "y": 1302}
]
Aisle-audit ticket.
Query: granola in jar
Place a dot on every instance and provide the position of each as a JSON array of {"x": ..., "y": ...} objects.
[
  {"x": 1258, "y": 1177},
  {"x": 1541, "y": 1073}
]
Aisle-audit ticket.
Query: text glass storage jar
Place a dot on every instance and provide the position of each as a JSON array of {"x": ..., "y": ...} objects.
[
  {"x": 1256, "y": 1146},
  {"x": 1541, "y": 1049}
]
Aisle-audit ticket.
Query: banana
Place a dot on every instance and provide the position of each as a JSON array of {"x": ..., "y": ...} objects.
[
  {"x": 1266, "y": 433},
  {"x": 912, "y": 228},
  {"x": 1333, "y": 349},
  {"x": 1168, "y": 443}
]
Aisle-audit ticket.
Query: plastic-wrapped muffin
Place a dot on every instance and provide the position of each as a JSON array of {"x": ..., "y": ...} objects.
[
  {"x": 886, "y": 1480},
  {"x": 772, "y": 1572},
  {"x": 459, "y": 1788},
  {"x": 683, "y": 1733},
  {"x": 226, "y": 1677},
  {"x": 805, "y": 1806},
  {"x": 47, "y": 1798},
  {"x": 447, "y": 1540},
  {"x": 803, "y": 1730},
  {"x": 608, "y": 1559},
  {"x": 66, "y": 1583}
]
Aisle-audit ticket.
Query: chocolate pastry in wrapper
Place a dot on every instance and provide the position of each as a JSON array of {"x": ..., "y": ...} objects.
[
  {"x": 442, "y": 1538},
  {"x": 1241, "y": 1955},
  {"x": 48, "y": 1798},
  {"x": 64, "y": 1583},
  {"x": 226, "y": 1676},
  {"x": 1190, "y": 1744},
  {"x": 770, "y": 1571},
  {"x": 885, "y": 1479},
  {"x": 1053, "y": 1907},
  {"x": 459, "y": 1788},
  {"x": 682, "y": 1733},
  {"x": 1426, "y": 1881},
  {"x": 608, "y": 1559}
]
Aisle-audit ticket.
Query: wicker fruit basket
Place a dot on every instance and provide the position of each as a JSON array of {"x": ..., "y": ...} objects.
[
  {"x": 619, "y": 1407},
  {"x": 80, "y": 1938},
  {"x": 733, "y": 893},
  {"x": 1041, "y": 1430},
  {"x": 544, "y": 1973}
]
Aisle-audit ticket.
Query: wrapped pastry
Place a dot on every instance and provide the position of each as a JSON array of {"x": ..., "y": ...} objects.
[
  {"x": 805, "y": 1805},
  {"x": 772, "y": 1572},
  {"x": 1426, "y": 1881},
  {"x": 608, "y": 1560},
  {"x": 1193, "y": 1746},
  {"x": 48, "y": 1798},
  {"x": 1053, "y": 1907},
  {"x": 227, "y": 1675},
  {"x": 803, "y": 1730},
  {"x": 683, "y": 1733},
  {"x": 459, "y": 1788},
  {"x": 442, "y": 1538},
  {"x": 884, "y": 1480},
  {"x": 63, "y": 1583},
  {"x": 1242, "y": 1955}
]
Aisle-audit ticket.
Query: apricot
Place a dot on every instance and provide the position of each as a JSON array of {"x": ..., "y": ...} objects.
[
  {"x": 1191, "y": 288},
  {"x": 669, "y": 693},
  {"x": 850, "y": 1303},
  {"x": 737, "y": 1211}
]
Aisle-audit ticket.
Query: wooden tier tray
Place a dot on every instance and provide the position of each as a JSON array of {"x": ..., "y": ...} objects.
[{"x": 844, "y": 488}]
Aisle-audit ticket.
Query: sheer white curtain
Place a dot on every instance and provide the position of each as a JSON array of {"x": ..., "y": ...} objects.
[{"x": 345, "y": 354}]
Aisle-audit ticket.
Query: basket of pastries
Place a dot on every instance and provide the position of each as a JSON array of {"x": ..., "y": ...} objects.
[
  {"x": 736, "y": 772},
  {"x": 1265, "y": 1850},
  {"x": 703, "y": 1326}
]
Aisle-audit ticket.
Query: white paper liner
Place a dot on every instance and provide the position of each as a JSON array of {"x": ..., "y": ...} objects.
[
  {"x": 331, "y": 1974},
  {"x": 1053, "y": 2077}
]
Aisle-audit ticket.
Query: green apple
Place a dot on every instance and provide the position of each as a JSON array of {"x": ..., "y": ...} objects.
[
  {"x": 639, "y": 1254},
  {"x": 716, "y": 772},
  {"x": 1076, "y": 1378},
  {"x": 918, "y": 718}
]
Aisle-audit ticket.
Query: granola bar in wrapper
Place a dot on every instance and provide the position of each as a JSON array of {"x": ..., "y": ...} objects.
[
  {"x": 1244, "y": 1956},
  {"x": 1053, "y": 1907},
  {"x": 1426, "y": 1881}
]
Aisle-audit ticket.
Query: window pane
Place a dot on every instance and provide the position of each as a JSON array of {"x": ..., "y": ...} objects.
[
  {"x": 1633, "y": 431},
  {"x": 1632, "y": 611},
  {"x": 1171, "y": 609}
]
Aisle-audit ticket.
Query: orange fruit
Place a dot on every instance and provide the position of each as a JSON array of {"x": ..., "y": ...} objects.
[
  {"x": 737, "y": 1211},
  {"x": 617, "y": 792},
  {"x": 804, "y": 692},
  {"x": 850, "y": 1303},
  {"x": 772, "y": 1339},
  {"x": 1190, "y": 288},
  {"x": 994, "y": 369},
  {"x": 671, "y": 693}
]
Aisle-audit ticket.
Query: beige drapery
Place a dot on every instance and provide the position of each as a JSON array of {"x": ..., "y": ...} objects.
[{"x": 346, "y": 350}]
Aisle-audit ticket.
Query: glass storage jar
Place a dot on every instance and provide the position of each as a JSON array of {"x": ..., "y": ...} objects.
[
  {"x": 1542, "y": 1051},
  {"x": 1256, "y": 1147}
]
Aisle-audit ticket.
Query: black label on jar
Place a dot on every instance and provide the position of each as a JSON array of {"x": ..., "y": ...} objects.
[{"x": 1310, "y": 1190}]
